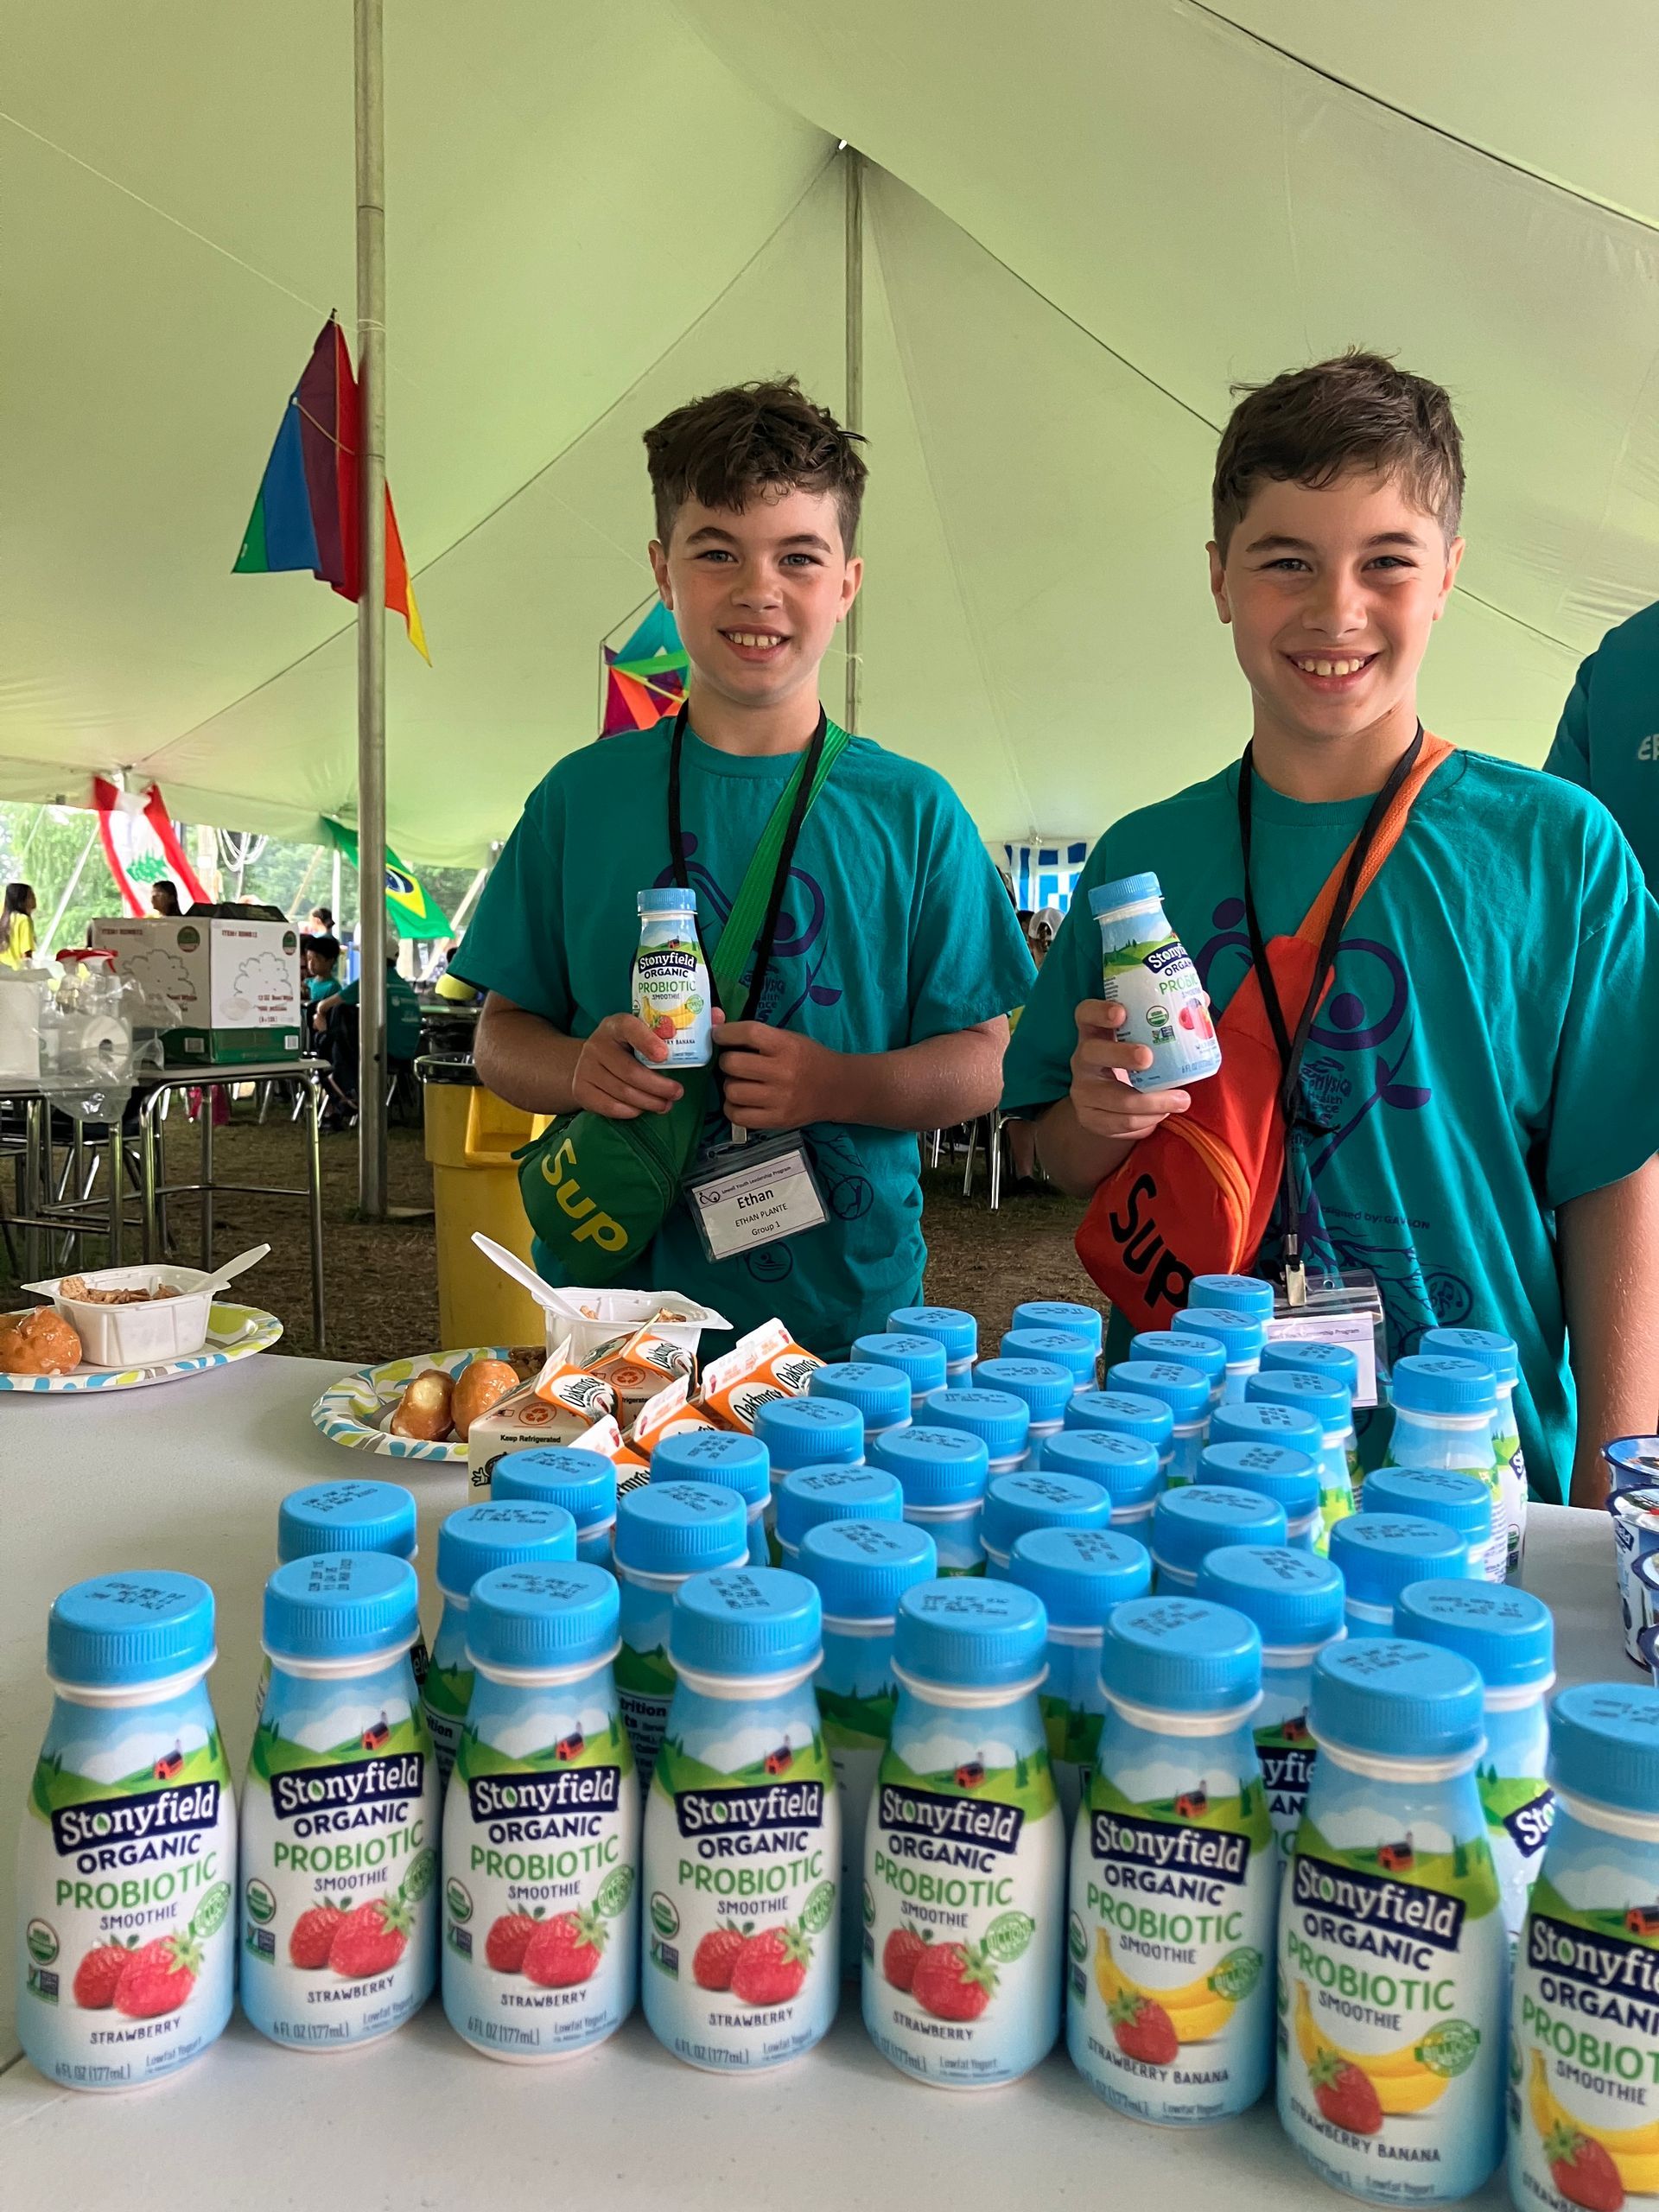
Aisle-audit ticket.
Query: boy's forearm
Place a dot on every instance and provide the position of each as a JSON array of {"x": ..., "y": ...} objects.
[
  {"x": 1610, "y": 1276},
  {"x": 926, "y": 1086},
  {"x": 525, "y": 1060},
  {"x": 1074, "y": 1157}
]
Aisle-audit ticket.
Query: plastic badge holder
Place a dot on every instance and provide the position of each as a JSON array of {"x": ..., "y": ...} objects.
[{"x": 1342, "y": 1309}]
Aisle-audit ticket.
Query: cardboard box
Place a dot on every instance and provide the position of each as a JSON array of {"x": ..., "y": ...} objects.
[
  {"x": 235, "y": 984},
  {"x": 521, "y": 1422}
]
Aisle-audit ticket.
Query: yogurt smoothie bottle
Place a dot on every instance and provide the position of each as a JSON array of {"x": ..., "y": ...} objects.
[
  {"x": 943, "y": 1473},
  {"x": 1186, "y": 1523},
  {"x": 1242, "y": 1337},
  {"x": 666, "y": 1532},
  {"x": 1289, "y": 1478},
  {"x": 1146, "y": 970},
  {"x": 1251, "y": 1295},
  {"x": 1016, "y": 1503},
  {"x": 1393, "y": 1958},
  {"x": 1295, "y": 1599},
  {"x": 1510, "y": 1638},
  {"x": 1378, "y": 1554},
  {"x": 1046, "y": 1387},
  {"x": 1490, "y": 1346},
  {"x": 739, "y": 1463},
  {"x": 1079, "y": 1355},
  {"x": 1169, "y": 2016},
  {"x": 805, "y": 1432},
  {"x": 742, "y": 1830},
  {"x": 1206, "y": 1354},
  {"x": 1460, "y": 1501},
  {"x": 997, "y": 1418},
  {"x": 1444, "y": 1413},
  {"x": 1125, "y": 1467},
  {"x": 811, "y": 1496},
  {"x": 922, "y": 1359},
  {"x": 1286, "y": 1428},
  {"x": 964, "y": 1867},
  {"x": 351, "y": 1516},
  {"x": 1336, "y": 1363},
  {"x": 882, "y": 1395},
  {"x": 500, "y": 1532},
  {"x": 126, "y": 1863},
  {"x": 862, "y": 1569},
  {"x": 1079, "y": 1574},
  {"x": 1329, "y": 1402},
  {"x": 1084, "y": 1321},
  {"x": 1126, "y": 1412},
  {"x": 340, "y": 1811},
  {"x": 947, "y": 1325},
  {"x": 672, "y": 995},
  {"x": 584, "y": 1482},
  {"x": 1186, "y": 1394},
  {"x": 541, "y": 1830},
  {"x": 1584, "y": 2029}
]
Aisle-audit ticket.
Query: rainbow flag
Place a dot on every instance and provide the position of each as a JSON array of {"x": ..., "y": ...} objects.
[
  {"x": 645, "y": 677},
  {"x": 306, "y": 514}
]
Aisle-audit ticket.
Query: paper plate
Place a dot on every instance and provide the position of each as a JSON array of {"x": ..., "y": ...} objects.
[
  {"x": 234, "y": 1332},
  {"x": 353, "y": 1411}
]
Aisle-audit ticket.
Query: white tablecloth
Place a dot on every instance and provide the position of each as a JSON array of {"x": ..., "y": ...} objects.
[{"x": 189, "y": 1475}]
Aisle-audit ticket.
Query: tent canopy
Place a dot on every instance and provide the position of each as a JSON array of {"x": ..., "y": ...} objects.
[{"x": 1084, "y": 222}]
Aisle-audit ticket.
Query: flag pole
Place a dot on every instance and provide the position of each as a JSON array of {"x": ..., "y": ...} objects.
[
  {"x": 855, "y": 310},
  {"x": 372, "y": 608}
]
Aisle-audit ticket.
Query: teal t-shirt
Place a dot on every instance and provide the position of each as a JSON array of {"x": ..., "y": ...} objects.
[
  {"x": 319, "y": 988},
  {"x": 1489, "y": 1048},
  {"x": 894, "y": 928},
  {"x": 402, "y": 1015},
  {"x": 1608, "y": 740}
]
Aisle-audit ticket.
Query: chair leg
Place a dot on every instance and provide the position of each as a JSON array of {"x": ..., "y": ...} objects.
[
  {"x": 935, "y": 1146},
  {"x": 994, "y": 1148},
  {"x": 968, "y": 1172}
]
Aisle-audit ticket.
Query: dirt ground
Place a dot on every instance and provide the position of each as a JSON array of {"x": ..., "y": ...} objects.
[{"x": 379, "y": 1278}]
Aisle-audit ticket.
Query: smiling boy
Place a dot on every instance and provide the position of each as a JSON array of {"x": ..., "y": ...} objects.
[
  {"x": 882, "y": 1008},
  {"x": 1480, "y": 1093}
]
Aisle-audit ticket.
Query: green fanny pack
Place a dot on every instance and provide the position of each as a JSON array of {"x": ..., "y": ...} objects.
[{"x": 597, "y": 1190}]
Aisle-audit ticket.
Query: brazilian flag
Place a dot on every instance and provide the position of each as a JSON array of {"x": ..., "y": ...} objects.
[{"x": 408, "y": 905}]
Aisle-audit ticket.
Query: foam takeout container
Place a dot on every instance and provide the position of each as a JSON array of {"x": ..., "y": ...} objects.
[{"x": 136, "y": 1336}]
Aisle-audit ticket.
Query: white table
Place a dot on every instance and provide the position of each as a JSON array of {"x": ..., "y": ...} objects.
[{"x": 189, "y": 1475}]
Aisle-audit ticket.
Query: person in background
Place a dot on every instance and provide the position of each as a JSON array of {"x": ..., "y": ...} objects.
[
  {"x": 17, "y": 927},
  {"x": 164, "y": 899},
  {"x": 335, "y": 1020},
  {"x": 1608, "y": 738},
  {"x": 322, "y": 922},
  {"x": 320, "y": 956},
  {"x": 1040, "y": 931}
]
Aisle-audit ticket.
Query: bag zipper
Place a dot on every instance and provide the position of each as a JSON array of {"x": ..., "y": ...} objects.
[{"x": 1221, "y": 1164}]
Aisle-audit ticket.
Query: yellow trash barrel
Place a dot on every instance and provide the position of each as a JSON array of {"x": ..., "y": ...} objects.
[{"x": 471, "y": 1137}]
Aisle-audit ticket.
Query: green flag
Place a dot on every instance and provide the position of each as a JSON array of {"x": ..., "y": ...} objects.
[{"x": 408, "y": 905}]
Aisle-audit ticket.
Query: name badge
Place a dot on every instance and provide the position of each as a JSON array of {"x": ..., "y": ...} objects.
[
  {"x": 743, "y": 1196},
  {"x": 1345, "y": 1308}
]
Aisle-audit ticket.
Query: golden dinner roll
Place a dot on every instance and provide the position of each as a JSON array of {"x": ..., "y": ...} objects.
[
  {"x": 484, "y": 1384},
  {"x": 40, "y": 1343},
  {"x": 423, "y": 1409}
]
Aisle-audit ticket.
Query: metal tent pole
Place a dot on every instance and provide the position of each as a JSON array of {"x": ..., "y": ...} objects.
[
  {"x": 372, "y": 608},
  {"x": 854, "y": 174}
]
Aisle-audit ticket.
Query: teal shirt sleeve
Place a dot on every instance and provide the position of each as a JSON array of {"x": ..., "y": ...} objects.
[
  {"x": 1569, "y": 756},
  {"x": 968, "y": 961},
  {"x": 516, "y": 942},
  {"x": 1603, "y": 1120}
]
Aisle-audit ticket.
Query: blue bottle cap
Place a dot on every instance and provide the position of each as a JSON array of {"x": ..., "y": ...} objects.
[
  {"x": 935, "y": 1466},
  {"x": 352, "y": 1517},
  {"x": 1243, "y": 1294},
  {"x": 1289, "y": 1477},
  {"x": 1430, "y": 1383},
  {"x": 501, "y": 1532},
  {"x": 1379, "y": 1553},
  {"x": 584, "y": 1482},
  {"x": 342, "y": 1605},
  {"x": 963, "y": 1633},
  {"x": 669, "y": 1527},
  {"x": 745, "y": 1620},
  {"x": 1043, "y": 1385},
  {"x": 1245, "y": 1335},
  {"x": 1254, "y": 1422},
  {"x": 706, "y": 1455},
  {"x": 562, "y": 1615},
  {"x": 1002, "y": 1422},
  {"x": 1060, "y": 1313},
  {"x": 809, "y": 1432},
  {"x": 1462, "y": 1502},
  {"x": 1400, "y": 1700},
  {"x": 1125, "y": 1467},
  {"x": 1291, "y": 1356},
  {"x": 1199, "y": 1516},
  {"x": 812, "y": 1495},
  {"x": 881, "y": 1394},
  {"x": 1604, "y": 1745},
  {"x": 1175, "y": 1345},
  {"x": 1509, "y": 1634},
  {"x": 862, "y": 1568},
  {"x": 1478, "y": 1345},
  {"x": 1294, "y": 1597},
  {"x": 1305, "y": 1388},
  {"x": 1122, "y": 1413},
  {"x": 668, "y": 901},
  {"x": 1059, "y": 1347},
  {"x": 1184, "y": 1391},
  {"x": 1080, "y": 1574},
  {"x": 956, "y": 1331},
  {"x": 1124, "y": 891},
  {"x": 130, "y": 1627},
  {"x": 1180, "y": 1655},
  {"x": 920, "y": 1358},
  {"x": 1040, "y": 1500}
]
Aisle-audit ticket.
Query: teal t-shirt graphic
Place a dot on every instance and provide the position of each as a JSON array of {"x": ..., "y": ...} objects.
[
  {"x": 894, "y": 928},
  {"x": 1608, "y": 740},
  {"x": 1489, "y": 1048}
]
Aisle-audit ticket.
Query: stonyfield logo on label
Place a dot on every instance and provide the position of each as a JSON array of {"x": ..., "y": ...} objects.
[
  {"x": 1169, "y": 959},
  {"x": 1127, "y": 1840},
  {"x": 760, "y": 1811},
  {"x": 1602, "y": 1962},
  {"x": 655, "y": 966},
  {"x": 364, "y": 1782},
  {"x": 1528, "y": 1826},
  {"x": 132, "y": 1820},
  {"x": 1373, "y": 1902},
  {"x": 962, "y": 1820},
  {"x": 1286, "y": 1769},
  {"x": 578, "y": 1789}
]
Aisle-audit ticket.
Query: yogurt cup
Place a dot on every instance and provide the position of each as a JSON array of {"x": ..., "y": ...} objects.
[
  {"x": 1635, "y": 1537},
  {"x": 1632, "y": 1463}
]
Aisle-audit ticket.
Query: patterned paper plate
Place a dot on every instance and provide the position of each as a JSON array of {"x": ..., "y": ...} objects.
[
  {"x": 234, "y": 1332},
  {"x": 354, "y": 1410}
]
